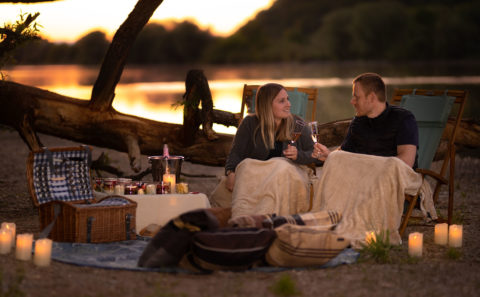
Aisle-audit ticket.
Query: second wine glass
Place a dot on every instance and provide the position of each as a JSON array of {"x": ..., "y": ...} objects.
[
  {"x": 314, "y": 129},
  {"x": 297, "y": 130}
]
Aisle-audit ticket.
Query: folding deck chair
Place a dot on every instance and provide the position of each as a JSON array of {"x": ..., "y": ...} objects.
[
  {"x": 432, "y": 110},
  {"x": 299, "y": 99}
]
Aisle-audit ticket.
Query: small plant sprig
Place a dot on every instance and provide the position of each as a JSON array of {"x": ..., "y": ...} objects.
[
  {"x": 454, "y": 254},
  {"x": 378, "y": 249},
  {"x": 285, "y": 287}
]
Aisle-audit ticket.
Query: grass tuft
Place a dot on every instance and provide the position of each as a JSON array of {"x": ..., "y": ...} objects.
[
  {"x": 379, "y": 249},
  {"x": 285, "y": 286},
  {"x": 454, "y": 254}
]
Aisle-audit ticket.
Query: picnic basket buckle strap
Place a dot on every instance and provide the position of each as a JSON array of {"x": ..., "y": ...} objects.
[{"x": 128, "y": 218}]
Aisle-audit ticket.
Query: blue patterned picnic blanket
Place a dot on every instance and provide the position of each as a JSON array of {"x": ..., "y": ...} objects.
[{"x": 124, "y": 255}]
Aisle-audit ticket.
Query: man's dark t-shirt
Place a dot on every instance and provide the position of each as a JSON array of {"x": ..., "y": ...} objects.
[{"x": 380, "y": 136}]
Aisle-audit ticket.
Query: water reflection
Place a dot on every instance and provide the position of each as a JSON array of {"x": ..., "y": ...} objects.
[{"x": 149, "y": 92}]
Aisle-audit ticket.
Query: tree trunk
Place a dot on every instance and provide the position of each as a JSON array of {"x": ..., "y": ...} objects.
[{"x": 103, "y": 91}]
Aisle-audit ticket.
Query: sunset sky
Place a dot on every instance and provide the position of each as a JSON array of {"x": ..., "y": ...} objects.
[{"x": 67, "y": 20}]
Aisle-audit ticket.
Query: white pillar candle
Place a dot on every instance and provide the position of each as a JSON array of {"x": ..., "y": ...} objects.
[
  {"x": 43, "y": 252},
  {"x": 441, "y": 234},
  {"x": 415, "y": 244},
  {"x": 5, "y": 241},
  {"x": 455, "y": 235},
  {"x": 169, "y": 177},
  {"x": 23, "y": 251},
  {"x": 12, "y": 228},
  {"x": 370, "y": 237}
]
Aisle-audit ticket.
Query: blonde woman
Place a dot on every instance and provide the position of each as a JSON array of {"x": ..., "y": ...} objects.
[
  {"x": 265, "y": 135},
  {"x": 262, "y": 166}
]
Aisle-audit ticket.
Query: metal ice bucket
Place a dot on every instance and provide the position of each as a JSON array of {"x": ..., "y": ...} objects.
[{"x": 159, "y": 165}]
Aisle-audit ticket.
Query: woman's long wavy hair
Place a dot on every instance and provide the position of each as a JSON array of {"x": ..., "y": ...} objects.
[{"x": 263, "y": 109}]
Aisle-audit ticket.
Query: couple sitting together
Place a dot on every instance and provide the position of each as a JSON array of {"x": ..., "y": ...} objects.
[{"x": 365, "y": 179}]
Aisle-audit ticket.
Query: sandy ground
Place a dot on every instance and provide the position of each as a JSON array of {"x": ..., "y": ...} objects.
[{"x": 435, "y": 274}]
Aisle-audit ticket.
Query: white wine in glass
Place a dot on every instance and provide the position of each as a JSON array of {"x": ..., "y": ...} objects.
[{"x": 297, "y": 131}]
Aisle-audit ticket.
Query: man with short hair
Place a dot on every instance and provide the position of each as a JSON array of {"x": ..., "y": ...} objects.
[{"x": 378, "y": 128}]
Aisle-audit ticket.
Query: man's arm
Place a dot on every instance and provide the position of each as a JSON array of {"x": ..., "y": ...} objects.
[{"x": 407, "y": 153}]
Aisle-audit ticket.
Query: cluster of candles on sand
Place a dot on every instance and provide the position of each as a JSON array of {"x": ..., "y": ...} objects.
[
  {"x": 444, "y": 235},
  {"x": 23, "y": 245}
]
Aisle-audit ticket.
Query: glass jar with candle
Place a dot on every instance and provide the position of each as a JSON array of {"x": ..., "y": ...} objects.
[
  {"x": 109, "y": 185},
  {"x": 151, "y": 188},
  {"x": 163, "y": 187},
  {"x": 98, "y": 184},
  {"x": 131, "y": 189}
]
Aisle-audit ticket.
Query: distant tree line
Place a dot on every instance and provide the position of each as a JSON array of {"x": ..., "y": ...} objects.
[{"x": 297, "y": 30}]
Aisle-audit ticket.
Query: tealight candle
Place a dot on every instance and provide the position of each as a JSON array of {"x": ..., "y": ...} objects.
[
  {"x": 370, "y": 237},
  {"x": 415, "y": 244},
  {"x": 455, "y": 235},
  {"x": 12, "y": 228},
  {"x": 23, "y": 250},
  {"x": 441, "y": 234},
  {"x": 5, "y": 241},
  {"x": 43, "y": 252},
  {"x": 169, "y": 177}
]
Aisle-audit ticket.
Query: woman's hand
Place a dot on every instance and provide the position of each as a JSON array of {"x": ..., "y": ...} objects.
[
  {"x": 230, "y": 182},
  {"x": 291, "y": 152},
  {"x": 320, "y": 152}
]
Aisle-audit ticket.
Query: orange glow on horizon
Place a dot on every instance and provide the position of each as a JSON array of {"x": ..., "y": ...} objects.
[{"x": 67, "y": 21}]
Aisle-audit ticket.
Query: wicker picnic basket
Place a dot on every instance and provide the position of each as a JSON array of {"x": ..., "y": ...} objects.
[{"x": 60, "y": 186}]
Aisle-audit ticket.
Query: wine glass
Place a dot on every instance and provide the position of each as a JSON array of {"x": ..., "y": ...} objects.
[
  {"x": 314, "y": 129},
  {"x": 297, "y": 131}
]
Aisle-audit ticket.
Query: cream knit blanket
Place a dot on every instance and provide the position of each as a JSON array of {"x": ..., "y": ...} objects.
[
  {"x": 274, "y": 186},
  {"x": 369, "y": 191}
]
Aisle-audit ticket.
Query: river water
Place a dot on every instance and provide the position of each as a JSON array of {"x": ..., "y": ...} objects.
[{"x": 150, "y": 91}]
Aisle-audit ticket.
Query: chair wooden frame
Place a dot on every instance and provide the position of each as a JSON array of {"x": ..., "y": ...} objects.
[
  {"x": 449, "y": 160},
  {"x": 248, "y": 93}
]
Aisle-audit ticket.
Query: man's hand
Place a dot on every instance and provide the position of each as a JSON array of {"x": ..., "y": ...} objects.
[{"x": 320, "y": 152}]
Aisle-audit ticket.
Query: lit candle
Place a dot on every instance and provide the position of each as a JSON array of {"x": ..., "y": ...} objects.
[
  {"x": 151, "y": 189},
  {"x": 441, "y": 234},
  {"x": 455, "y": 235},
  {"x": 24, "y": 246},
  {"x": 370, "y": 237},
  {"x": 169, "y": 177},
  {"x": 43, "y": 252},
  {"x": 12, "y": 228},
  {"x": 5, "y": 241},
  {"x": 415, "y": 244}
]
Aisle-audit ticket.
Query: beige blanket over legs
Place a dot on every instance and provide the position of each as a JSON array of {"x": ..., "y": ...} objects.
[
  {"x": 274, "y": 186},
  {"x": 369, "y": 191}
]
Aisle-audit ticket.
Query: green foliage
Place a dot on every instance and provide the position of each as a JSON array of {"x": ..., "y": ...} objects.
[
  {"x": 11, "y": 288},
  {"x": 14, "y": 35},
  {"x": 298, "y": 31},
  {"x": 378, "y": 250},
  {"x": 454, "y": 254},
  {"x": 285, "y": 286}
]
